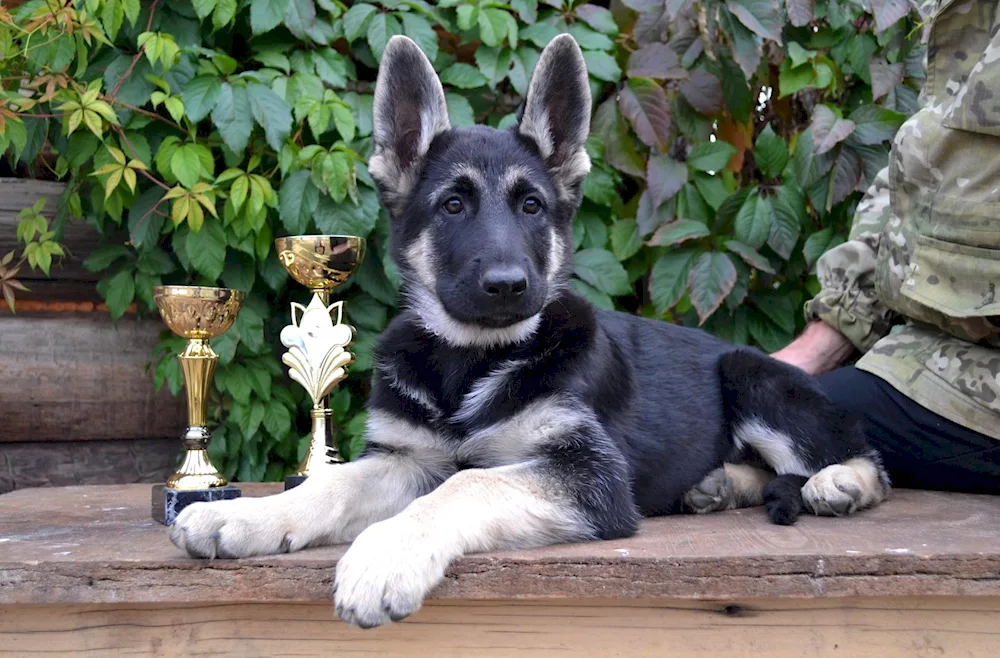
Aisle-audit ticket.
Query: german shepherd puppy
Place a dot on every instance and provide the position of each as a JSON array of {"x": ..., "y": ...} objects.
[{"x": 508, "y": 412}]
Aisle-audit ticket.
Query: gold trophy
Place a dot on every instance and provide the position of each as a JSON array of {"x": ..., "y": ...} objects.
[
  {"x": 198, "y": 314},
  {"x": 317, "y": 338}
]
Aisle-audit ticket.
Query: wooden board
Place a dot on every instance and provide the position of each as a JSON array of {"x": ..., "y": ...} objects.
[
  {"x": 853, "y": 628},
  {"x": 78, "y": 238},
  {"x": 67, "y": 279},
  {"x": 83, "y": 545},
  {"x": 77, "y": 376},
  {"x": 62, "y": 463}
]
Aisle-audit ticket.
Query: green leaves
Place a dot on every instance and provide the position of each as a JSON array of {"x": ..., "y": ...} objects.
[
  {"x": 206, "y": 250},
  {"x": 265, "y": 15},
  {"x": 711, "y": 156},
  {"x": 789, "y": 213},
  {"x": 761, "y": 16},
  {"x": 645, "y": 104},
  {"x": 703, "y": 91},
  {"x": 232, "y": 116},
  {"x": 655, "y": 60},
  {"x": 271, "y": 113},
  {"x": 298, "y": 201},
  {"x": 598, "y": 18},
  {"x": 677, "y": 232},
  {"x": 753, "y": 221},
  {"x": 118, "y": 292},
  {"x": 669, "y": 278},
  {"x": 770, "y": 153},
  {"x": 186, "y": 164},
  {"x": 356, "y": 20},
  {"x": 463, "y": 76},
  {"x": 828, "y": 129},
  {"x": 420, "y": 30},
  {"x": 381, "y": 28},
  {"x": 602, "y": 66},
  {"x": 200, "y": 97},
  {"x": 601, "y": 269},
  {"x": 493, "y": 26},
  {"x": 665, "y": 177},
  {"x": 345, "y": 218},
  {"x": 874, "y": 124},
  {"x": 711, "y": 278}
]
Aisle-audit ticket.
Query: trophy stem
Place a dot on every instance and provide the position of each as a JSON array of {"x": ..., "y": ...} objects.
[
  {"x": 198, "y": 361},
  {"x": 323, "y": 441},
  {"x": 322, "y": 444}
]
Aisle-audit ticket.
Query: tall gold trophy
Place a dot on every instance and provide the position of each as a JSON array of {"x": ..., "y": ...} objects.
[
  {"x": 198, "y": 314},
  {"x": 317, "y": 338}
]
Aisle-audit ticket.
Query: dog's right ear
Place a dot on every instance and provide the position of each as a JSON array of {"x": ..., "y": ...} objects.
[
  {"x": 556, "y": 113},
  {"x": 409, "y": 111}
]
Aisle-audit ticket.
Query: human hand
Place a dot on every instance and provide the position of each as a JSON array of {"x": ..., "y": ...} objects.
[{"x": 819, "y": 349}]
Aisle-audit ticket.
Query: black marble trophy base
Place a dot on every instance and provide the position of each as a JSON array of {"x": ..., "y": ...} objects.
[
  {"x": 168, "y": 503},
  {"x": 292, "y": 481}
]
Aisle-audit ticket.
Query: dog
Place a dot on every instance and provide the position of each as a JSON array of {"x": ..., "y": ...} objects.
[{"x": 506, "y": 411}]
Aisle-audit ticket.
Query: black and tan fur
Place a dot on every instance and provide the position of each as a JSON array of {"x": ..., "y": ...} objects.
[{"x": 508, "y": 412}]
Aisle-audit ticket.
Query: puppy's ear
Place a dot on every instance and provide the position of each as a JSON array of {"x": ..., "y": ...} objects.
[
  {"x": 409, "y": 111},
  {"x": 556, "y": 112}
]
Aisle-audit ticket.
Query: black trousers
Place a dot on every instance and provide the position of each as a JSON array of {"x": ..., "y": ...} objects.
[{"x": 920, "y": 449}]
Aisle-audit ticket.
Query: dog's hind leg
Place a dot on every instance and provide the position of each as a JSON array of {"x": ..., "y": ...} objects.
[
  {"x": 330, "y": 507},
  {"x": 780, "y": 413},
  {"x": 731, "y": 486}
]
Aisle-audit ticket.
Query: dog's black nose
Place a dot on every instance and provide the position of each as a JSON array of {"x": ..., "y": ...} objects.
[{"x": 504, "y": 281}]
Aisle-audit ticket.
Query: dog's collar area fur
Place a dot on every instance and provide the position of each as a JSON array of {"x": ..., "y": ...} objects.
[{"x": 435, "y": 320}]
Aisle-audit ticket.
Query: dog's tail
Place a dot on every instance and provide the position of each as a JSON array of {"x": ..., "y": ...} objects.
[{"x": 779, "y": 413}]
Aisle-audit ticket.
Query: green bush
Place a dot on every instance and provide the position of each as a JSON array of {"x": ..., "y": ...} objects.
[{"x": 731, "y": 143}]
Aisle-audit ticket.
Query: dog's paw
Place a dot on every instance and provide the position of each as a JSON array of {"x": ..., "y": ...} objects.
[
  {"x": 837, "y": 490},
  {"x": 232, "y": 529},
  {"x": 386, "y": 573},
  {"x": 713, "y": 494}
]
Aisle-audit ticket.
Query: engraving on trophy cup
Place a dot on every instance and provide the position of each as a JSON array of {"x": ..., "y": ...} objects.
[
  {"x": 198, "y": 314},
  {"x": 317, "y": 356}
]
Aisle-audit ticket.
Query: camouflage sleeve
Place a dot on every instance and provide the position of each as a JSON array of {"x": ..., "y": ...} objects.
[{"x": 847, "y": 300}]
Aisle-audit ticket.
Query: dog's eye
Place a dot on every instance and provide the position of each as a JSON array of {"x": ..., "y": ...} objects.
[
  {"x": 453, "y": 206},
  {"x": 531, "y": 205}
]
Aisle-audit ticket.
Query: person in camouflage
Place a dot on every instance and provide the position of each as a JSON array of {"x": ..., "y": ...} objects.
[{"x": 914, "y": 288}]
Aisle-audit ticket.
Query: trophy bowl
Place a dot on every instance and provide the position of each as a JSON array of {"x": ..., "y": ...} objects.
[
  {"x": 196, "y": 311},
  {"x": 317, "y": 339},
  {"x": 321, "y": 262}
]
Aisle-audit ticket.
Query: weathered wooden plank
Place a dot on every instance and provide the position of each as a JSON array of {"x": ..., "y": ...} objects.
[
  {"x": 78, "y": 238},
  {"x": 19, "y": 193},
  {"x": 76, "y": 376},
  {"x": 99, "y": 545},
  {"x": 880, "y": 628},
  {"x": 56, "y": 295},
  {"x": 64, "y": 463}
]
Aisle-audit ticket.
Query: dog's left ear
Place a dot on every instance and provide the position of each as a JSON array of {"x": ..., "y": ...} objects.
[
  {"x": 409, "y": 111},
  {"x": 556, "y": 112}
]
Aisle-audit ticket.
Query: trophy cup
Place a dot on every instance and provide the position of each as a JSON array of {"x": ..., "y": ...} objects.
[
  {"x": 198, "y": 314},
  {"x": 317, "y": 338}
]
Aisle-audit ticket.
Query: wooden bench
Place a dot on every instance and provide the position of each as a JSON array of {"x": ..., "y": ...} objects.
[{"x": 85, "y": 571}]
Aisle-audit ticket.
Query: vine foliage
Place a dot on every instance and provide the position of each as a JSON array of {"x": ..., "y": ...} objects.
[{"x": 731, "y": 142}]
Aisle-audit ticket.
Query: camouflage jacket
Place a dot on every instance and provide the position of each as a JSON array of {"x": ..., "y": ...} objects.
[{"x": 915, "y": 286}]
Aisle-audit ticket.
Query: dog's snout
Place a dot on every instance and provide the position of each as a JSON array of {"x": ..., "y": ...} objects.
[{"x": 504, "y": 282}]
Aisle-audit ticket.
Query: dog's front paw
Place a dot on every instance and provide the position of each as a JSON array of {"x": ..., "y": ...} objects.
[
  {"x": 713, "y": 494},
  {"x": 386, "y": 573},
  {"x": 837, "y": 490},
  {"x": 232, "y": 529}
]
